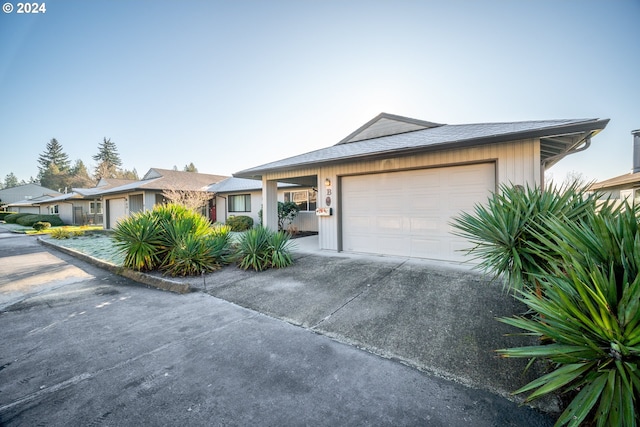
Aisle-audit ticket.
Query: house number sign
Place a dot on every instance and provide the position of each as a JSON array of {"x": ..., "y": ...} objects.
[{"x": 328, "y": 199}]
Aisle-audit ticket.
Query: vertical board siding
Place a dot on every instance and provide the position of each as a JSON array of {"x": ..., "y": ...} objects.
[{"x": 517, "y": 162}]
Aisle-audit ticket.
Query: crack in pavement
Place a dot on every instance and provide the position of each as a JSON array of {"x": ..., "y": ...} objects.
[{"x": 379, "y": 278}]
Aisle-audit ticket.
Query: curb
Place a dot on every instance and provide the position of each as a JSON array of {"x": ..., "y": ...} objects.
[{"x": 146, "y": 279}]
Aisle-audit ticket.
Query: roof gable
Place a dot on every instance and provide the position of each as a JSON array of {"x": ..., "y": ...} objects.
[
  {"x": 386, "y": 125},
  {"x": 556, "y": 138}
]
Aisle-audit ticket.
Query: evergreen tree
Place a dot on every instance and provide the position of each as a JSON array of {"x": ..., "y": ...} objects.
[
  {"x": 128, "y": 174},
  {"x": 191, "y": 168},
  {"x": 80, "y": 176},
  {"x": 10, "y": 180},
  {"x": 108, "y": 160},
  {"x": 53, "y": 155}
]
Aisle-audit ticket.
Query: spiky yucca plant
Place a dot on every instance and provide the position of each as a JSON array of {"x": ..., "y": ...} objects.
[
  {"x": 139, "y": 238},
  {"x": 589, "y": 311},
  {"x": 260, "y": 248},
  {"x": 501, "y": 230}
]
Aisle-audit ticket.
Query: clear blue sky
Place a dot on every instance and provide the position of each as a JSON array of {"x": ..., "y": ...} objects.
[{"x": 230, "y": 85}]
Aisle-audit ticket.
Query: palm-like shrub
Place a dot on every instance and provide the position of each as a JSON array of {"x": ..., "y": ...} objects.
[
  {"x": 194, "y": 246},
  {"x": 280, "y": 250},
  {"x": 589, "y": 313},
  {"x": 260, "y": 248},
  {"x": 174, "y": 239},
  {"x": 140, "y": 239},
  {"x": 503, "y": 230}
]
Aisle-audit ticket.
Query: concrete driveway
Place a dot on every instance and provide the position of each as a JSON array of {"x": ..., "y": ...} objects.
[{"x": 85, "y": 347}]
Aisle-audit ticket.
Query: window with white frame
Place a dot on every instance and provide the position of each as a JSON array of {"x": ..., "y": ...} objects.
[
  {"x": 305, "y": 199},
  {"x": 53, "y": 209},
  {"x": 95, "y": 207},
  {"x": 240, "y": 203}
]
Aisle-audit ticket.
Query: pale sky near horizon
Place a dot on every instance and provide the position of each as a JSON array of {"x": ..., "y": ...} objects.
[{"x": 229, "y": 85}]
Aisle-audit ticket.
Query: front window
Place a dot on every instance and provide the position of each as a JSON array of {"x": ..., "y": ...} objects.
[
  {"x": 240, "y": 203},
  {"x": 305, "y": 199},
  {"x": 53, "y": 209},
  {"x": 95, "y": 208}
]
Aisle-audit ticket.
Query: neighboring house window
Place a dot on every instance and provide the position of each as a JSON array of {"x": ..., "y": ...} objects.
[
  {"x": 95, "y": 207},
  {"x": 53, "y": 209},
  {"x": 305, "y": 199},
  {"x": 240, "y": 203}
]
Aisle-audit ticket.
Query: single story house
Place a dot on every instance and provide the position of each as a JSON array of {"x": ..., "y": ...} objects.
[
  {"x": 82, "y": 206},
  {"x": 240, "y": 196},
  {"x": 30, "y": 206},
  {"x": 138, "y": 196},
  {"x": 627, "y": 186},
  {"x": 393, "y": 185},
  {"x": 24, "y": 194}
]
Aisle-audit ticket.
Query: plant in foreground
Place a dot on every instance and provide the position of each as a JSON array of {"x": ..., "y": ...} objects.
[
  {"x": 589, "y": 312},
  {"x": 139, "y": 238},
  {"x": 502, "y": 230},
  {"x": 260, "y": 248}
]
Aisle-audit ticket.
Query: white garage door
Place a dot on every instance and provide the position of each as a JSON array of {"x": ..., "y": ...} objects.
[
  {"x": 116, "y": 211},
  {"x": 407, "y": 213}
]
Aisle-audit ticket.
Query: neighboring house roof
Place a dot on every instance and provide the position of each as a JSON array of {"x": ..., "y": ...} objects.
[
  {"x": 24, "y": 192},
  {"x": 165, "y": 179},
  {"x": 35, "y": 201},
  {"x": 628, "y": 180},
  {"x": 232, "y": 185},
  {"x": 389, "y": 135}
]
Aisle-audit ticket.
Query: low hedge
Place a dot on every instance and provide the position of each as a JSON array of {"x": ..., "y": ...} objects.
[
  {"x": 30, "y": 219},
  {"x": 240, "y": 222},
  {"x": 3, "y": 215},
  {"x": 13, "y": 217}
]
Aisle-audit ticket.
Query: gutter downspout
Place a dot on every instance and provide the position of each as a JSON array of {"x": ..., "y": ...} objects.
[{"x": 587, "y": 144}]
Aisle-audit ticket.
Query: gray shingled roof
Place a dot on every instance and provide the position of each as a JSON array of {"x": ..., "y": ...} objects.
[
  {"x": 165, "y": 179},
  {"x": 233, "y": 184},
  {"x": 434, "y": 138}
]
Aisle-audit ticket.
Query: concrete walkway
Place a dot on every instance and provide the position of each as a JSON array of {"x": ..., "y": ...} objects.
[{"x": 438, "y": 317}]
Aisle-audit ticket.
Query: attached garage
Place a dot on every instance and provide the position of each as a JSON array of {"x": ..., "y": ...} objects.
[
  {"x": 407, "y": 213},
  {"x": 393, "y": 185}
]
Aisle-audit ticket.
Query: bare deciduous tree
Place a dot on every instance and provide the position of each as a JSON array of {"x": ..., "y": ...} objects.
[{"x": 191, "y": 199}]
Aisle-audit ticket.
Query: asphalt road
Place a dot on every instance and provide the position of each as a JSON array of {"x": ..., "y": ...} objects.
[{"x": 81, "y": 346}]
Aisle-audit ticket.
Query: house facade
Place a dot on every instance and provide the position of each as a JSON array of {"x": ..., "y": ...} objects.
[
  {"x": 139, "y": 196},
  {"x": 392, "y": 186},
  {"x": 22, "y": 196},
  {"x": 82, "y": 206},
  {"x": 239, "y": 196}
]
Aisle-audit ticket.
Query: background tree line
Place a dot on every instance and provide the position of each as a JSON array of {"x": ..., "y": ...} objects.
[{"x": 56, "y": 172}]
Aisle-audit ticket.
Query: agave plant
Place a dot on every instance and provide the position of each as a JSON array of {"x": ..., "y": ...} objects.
[
  {"x": 139, "y": 239},
  {"x": 502, "y": 230},
  {"x": 589, "y": 311}
]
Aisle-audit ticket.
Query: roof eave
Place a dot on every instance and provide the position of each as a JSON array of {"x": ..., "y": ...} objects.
[{"x": 585, "y": 126}]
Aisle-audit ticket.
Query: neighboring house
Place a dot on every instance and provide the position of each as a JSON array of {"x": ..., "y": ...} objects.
[
  {"x": 393, "y": 185},
  {"x": 627, "y": 186},
  {"x": 239, "y": 196},
  {"x": 138, "y": 196},
  {"x": 82, "y": 206},
  {"x": 31, "y": 206},
  {"x": 24, "y": 193}
]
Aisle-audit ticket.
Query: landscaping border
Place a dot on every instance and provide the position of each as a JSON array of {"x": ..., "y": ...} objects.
[{"x": 147, "y": 279}]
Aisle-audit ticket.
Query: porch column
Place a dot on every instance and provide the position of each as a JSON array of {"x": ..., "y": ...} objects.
[{"x": 270, "y": 204}]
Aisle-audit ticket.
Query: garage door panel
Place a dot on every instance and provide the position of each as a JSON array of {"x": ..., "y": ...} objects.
[{"x": 409, "y": 211}]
